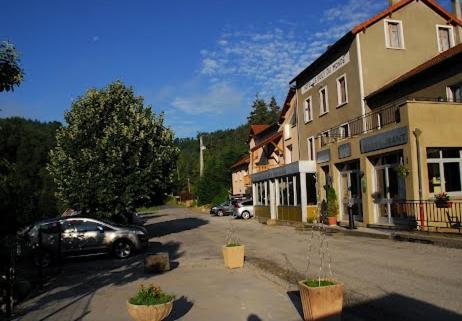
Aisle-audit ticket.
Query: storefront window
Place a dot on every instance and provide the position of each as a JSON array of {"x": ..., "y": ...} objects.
[
  {"x": 311, "y": 189},
  {"x": 444, "y": 170}
]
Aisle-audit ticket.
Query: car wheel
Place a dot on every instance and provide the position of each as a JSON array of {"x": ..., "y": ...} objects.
[
  {"x": 220, "y": 213},
  {"x": 123, "y": 249},
  {"x": 245, "y": 215}
]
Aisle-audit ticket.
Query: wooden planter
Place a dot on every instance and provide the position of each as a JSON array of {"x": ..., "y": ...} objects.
[
  {"x": 332, "y": 220},
  {"x": 149, "y": 312},
  {"x": 443, "y": 204},
  {"x": 233, "y": 256},
  {"x": 322, "y": 303}
]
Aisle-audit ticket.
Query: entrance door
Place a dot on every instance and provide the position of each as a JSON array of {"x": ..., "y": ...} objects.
[
  {"x": 390, "y": 187},
  {"x": 351, "y": 194}
]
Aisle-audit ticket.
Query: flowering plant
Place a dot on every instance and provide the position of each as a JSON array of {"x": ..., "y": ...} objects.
[{"x": 442, "y": 198}]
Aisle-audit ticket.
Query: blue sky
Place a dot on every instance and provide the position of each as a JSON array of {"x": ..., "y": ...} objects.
[{"x": 201, "y": 62}]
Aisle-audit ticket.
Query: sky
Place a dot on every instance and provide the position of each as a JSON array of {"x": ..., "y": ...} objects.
[{"x": 201, "y": 62}]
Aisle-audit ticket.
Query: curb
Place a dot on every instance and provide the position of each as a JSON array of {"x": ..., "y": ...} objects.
[{"x": 447, "y": 242}]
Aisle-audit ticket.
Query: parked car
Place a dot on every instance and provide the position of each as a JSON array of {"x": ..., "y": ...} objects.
[
  {"x": 225, "y": 208},
  {"x": 243, "y": 209},
  {"x": 84, "y": 236}
]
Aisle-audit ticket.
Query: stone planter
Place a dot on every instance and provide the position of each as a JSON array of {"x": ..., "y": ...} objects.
[
  {"x": 322, "y": 303},
  {"x": 233, "y": 256},
  {"x": 332, "y": 220},
  {"x": 149, "y": 312}
]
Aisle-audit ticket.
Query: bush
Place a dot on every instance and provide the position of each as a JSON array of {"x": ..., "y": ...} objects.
[
  {"x": 151, "y": 295},
  {"x": 332, "y": 205},
  {"x": 222, "y": 196}
]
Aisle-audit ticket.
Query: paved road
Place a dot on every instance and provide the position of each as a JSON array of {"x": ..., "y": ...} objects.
[{"x": 385, "y": 280}]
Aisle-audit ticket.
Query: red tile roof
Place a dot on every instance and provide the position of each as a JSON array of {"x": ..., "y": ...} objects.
[
  {"x": 286, "y": 106},
  {"x": 426, "y": 65},
  {"x": 243, "y": 161},
  {"x": 257, "y": 129}
]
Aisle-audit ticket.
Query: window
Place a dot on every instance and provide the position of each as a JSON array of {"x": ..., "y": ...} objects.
[
  {"x": 344, "y": 130},
  {"x": 444, "y": 170},
  {"x": 325, "y": 137},
  {"x": 394, "y": 34},
  {"x": 454, "y": 93},
  {"x": 445, "y": 37},
  {"x": 289, "y": 154},
  {"x": 311, "y": 148},
  {"x": 323, "y": 101},
  {"x": 342, "y": 91},
  {"x": 293, "y": 119},
  {"x": 308, "y": 110}
]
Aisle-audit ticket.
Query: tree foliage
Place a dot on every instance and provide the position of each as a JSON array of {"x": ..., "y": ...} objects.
[
  {"x": 11, "y": 73},
  {"x": 263, "y": 113},
  {"x": 114, "y": 153},
  {"x": 26, "y": 189}
]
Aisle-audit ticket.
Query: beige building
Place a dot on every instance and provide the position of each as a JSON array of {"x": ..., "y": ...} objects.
[
  {"x": 359, "y": 133},
  {"x": 240, "y": 177}
]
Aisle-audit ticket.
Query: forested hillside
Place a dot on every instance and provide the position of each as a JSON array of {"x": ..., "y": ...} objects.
[{"x": 223, "y": 148}]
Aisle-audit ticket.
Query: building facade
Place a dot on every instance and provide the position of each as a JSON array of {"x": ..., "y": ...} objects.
[{"x": 358, "y": 119}]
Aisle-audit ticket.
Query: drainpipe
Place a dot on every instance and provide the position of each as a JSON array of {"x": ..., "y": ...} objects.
[{"x": 417, "y": 132}]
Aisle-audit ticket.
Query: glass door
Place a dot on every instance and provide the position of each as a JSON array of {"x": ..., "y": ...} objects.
[
  {"x": 350, "y": 189},
  {"x": 390, "y": 187}
]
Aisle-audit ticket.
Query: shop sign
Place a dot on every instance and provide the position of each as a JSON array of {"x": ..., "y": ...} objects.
[
  {"x": 329, "y": 70},
  {"x": 344, "y": 151},
  {"x": 395, "y": 137},
  {"x": 323, "y": 156}
]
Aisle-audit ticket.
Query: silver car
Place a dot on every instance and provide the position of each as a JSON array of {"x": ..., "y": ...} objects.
[
  {"x": 243, "y": 209},
  {"x": 86, "y": 236}
]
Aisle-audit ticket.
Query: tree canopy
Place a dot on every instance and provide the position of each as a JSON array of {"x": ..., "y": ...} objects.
[
  {"x": 263, "y": 113},
  {"x": 11, "y": 73},
  {"x": 114, "y": 153}
]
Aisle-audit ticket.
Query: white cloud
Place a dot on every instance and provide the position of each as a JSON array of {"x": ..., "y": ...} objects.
[{"x": 217, "y": 99}]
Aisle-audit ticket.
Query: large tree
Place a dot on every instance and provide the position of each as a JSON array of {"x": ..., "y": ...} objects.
[
  {"x": 11, "y": 73},
  {"x": 114, "y": 153},
  {"x": 262, "y": 113}
]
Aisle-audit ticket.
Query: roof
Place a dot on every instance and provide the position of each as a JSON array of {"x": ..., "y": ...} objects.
[
  {"x": 243, "y": 161},
  {"x": 257, "y": 129},
  {"x": 272, "y": 138},
  {"x": 349, "y": 36},
  {"x": 286, "y": 106},
  {"x": 440, "y": 58}
]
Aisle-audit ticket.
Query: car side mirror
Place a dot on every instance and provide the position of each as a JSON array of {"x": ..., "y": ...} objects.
[{"x": 100, "y": 229}]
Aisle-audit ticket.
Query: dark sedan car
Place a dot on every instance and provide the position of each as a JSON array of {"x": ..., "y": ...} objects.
[
  {"x": 85, "y": 236},
  {"x": 225, "y": 208}
]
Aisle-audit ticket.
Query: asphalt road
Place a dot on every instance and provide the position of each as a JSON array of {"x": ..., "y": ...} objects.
[{"x": 384, "y": 279}]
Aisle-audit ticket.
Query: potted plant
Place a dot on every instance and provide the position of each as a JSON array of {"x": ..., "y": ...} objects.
[
  {"x": 322, "y": 299},
  {"x": 332, "y": 207},
  {"x": 442, "y": 200},
  {"x": 402, "y": 170},
  {"x": 233, "y": 251},
  {"x": 150, "y": 304}
]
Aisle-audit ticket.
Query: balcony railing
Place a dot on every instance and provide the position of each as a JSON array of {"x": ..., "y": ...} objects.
[
  {"x": 262, "y": 168},
  {"x": 363, "y": 124}
]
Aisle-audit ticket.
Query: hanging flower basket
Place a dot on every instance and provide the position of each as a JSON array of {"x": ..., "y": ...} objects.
[
  {"x": 321, "y": 299},
  {"x": 442, "y": 200},
  {"x": 402, "y": 170}
]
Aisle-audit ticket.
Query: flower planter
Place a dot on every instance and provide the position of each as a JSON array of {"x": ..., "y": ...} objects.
[
  {"x": 322, "y": 303},
  {"x": 149, "y": 312},
  {"x": 443, "y": 204},
  {"x": 233, "y": 256},
  {"x": 332, "y": 220}
]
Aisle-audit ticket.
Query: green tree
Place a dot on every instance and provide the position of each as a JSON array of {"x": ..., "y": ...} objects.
[
  {"x": 11, "y": 73},
  {"x": 274, "y": 111},
  {"x": 259, "y": 113},
  {"x": 114, "y": 153}
]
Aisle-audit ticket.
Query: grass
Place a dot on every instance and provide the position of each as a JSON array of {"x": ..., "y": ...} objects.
[
  {"x": 232, "y": 245},
  {"x": 150, "y": 296},
  {"x": 312, "y": 283}
]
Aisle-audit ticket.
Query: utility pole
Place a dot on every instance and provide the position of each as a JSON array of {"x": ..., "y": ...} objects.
[
  {"x": 189, "y": 187},
  {"x": 201, "y": 159}
]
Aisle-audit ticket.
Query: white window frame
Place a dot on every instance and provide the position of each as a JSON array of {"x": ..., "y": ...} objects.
[
  {"x": 327, "y": 136},
  {"x": 311, "y": 151},
  {"x": 342, "y": 134},
  {"x": 451, "y": 36},
  {"x": 449, "y": 92},
  {"x": 339, "y": 94},
  {"x": 307, "y": 117},
  {"x": 387, "y": 36},
  {"x": 321, "y": 112},
  {"x": 440, "y": 161}
]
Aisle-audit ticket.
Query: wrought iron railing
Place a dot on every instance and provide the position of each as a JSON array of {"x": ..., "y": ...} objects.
[
  {"x": 428, "y": 215},
  {"x": 372, "y": 121}
]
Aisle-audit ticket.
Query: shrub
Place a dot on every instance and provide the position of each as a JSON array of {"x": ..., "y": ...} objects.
[
  {"x": 151, "y": 295},
  {"x": 332, "y": 205}
]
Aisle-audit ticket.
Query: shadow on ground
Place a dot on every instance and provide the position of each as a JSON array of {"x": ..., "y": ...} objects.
[
  {"x": 389, "y": 307},
  {"x": 80, "y": 278},
  {"x": 174, "y": 226},
  {"x": 181, "y": 306}
]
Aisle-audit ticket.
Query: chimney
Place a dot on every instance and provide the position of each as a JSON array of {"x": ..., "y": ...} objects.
[
  {"x": 456, "y": 10},
  {"x": 392, "y": 2}
]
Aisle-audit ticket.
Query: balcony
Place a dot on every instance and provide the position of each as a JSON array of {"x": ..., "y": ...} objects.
[{"x": 262, "y": 168}]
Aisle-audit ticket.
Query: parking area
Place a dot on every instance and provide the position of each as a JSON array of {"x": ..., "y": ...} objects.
[{"x": 385, "y": 280}]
